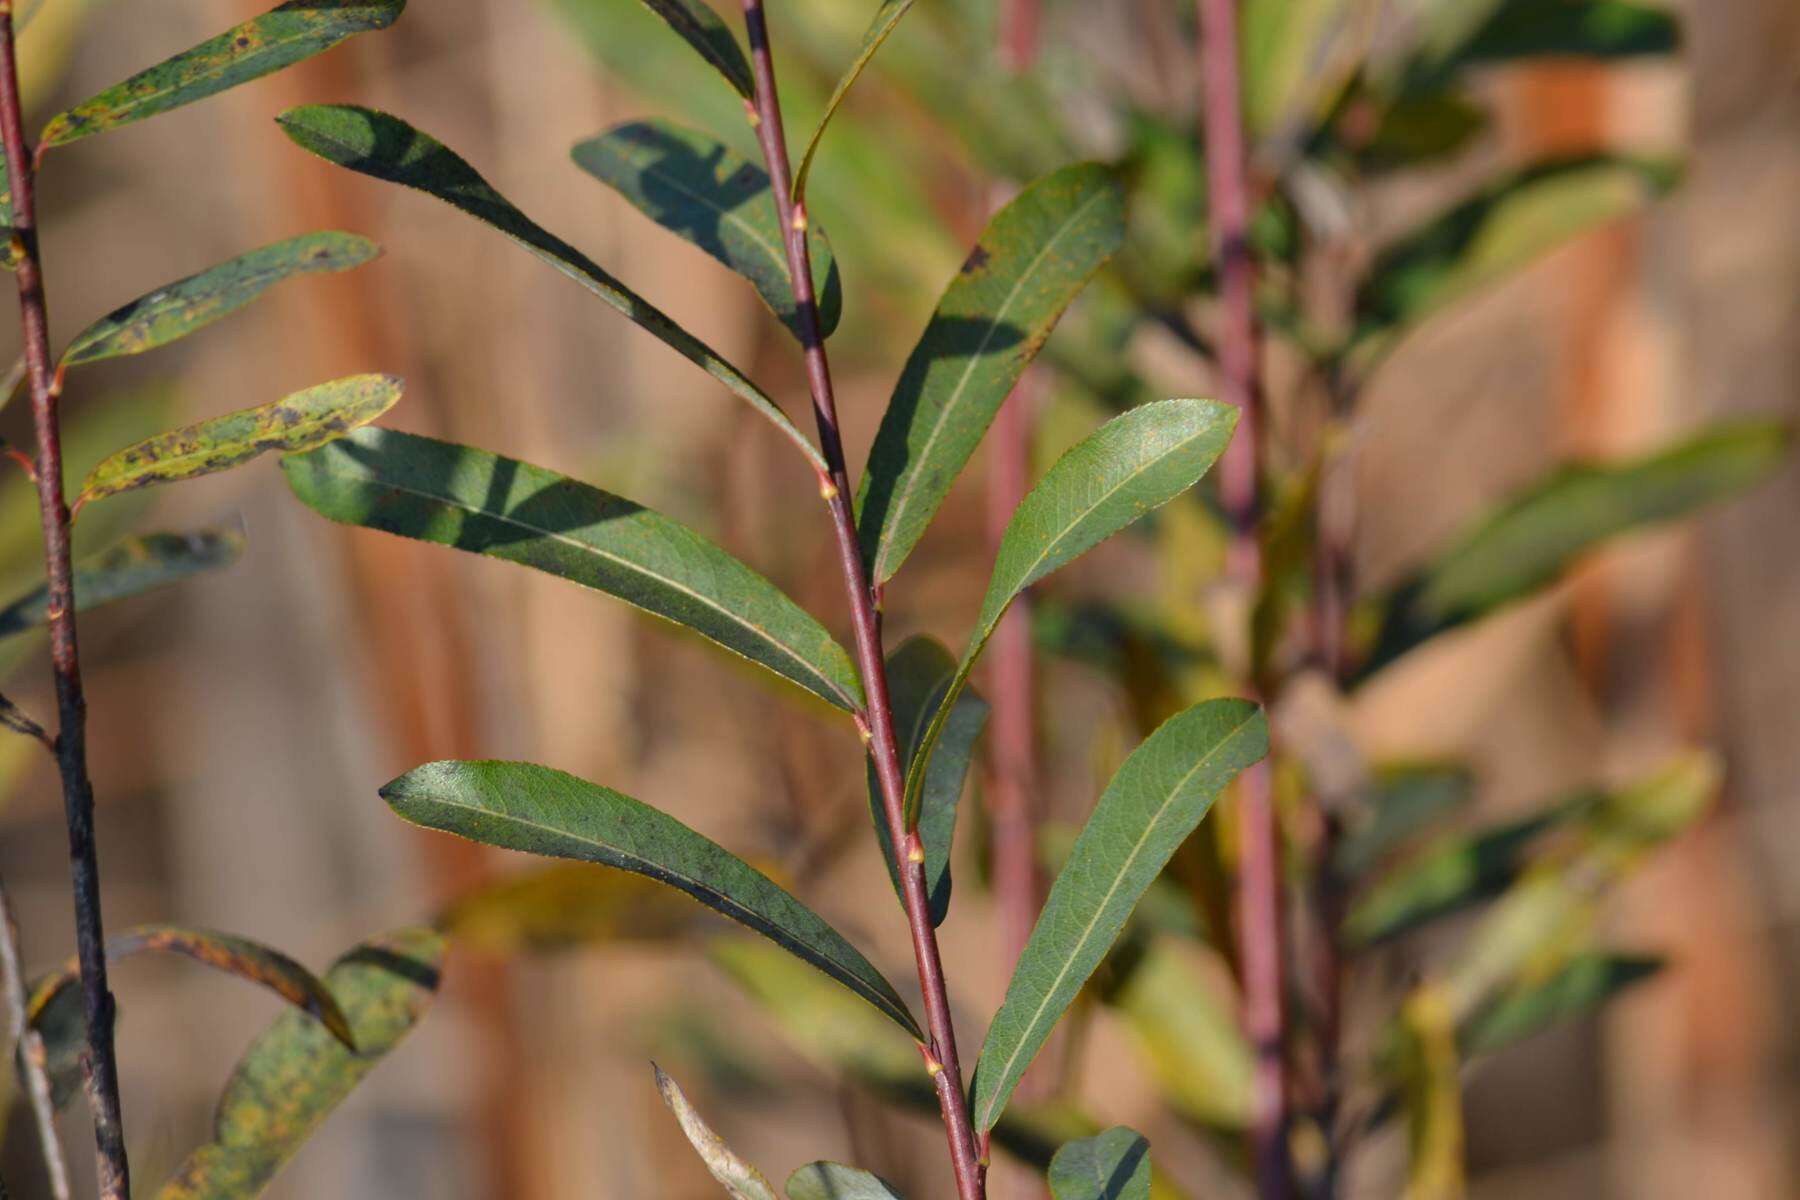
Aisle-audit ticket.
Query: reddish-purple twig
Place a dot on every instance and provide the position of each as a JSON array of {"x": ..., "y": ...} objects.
[
  {"x": 940, "y": 1054},
  {"x": 71, "y": 739}
]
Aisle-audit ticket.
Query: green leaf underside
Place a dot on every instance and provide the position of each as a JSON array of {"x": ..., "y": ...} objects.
[
  {"x": 520, "y": 806},
  {"x": 693, "y": 185},
  {"x": 1134, "y": 463},
  {"x": 296, "y": 1073},
  {"x": 701, "y": 28},
  {"x": 834, "y": 1181},
  {"x": 303, "y": 421},
  {"x": 248, "y": 960},
  {"x": 191, "y": 304},
  {"x": 920, "y": 673},
  {"x": 135, "y": 566},
  {"x": 1531, "y": 540},
  {"x": 741, "y": 1180},
  {"x": 292, "y": 32},
  {"x": 1114, "y": 1165},
  {"x": 887, "y": 17},
  {"x": 1033, "y": 258},
  {"x": 385, "y": 147},
  {"x": 1579, "y": 987},
  {"x": 468, "y": 499},
  {"x": 1153, "y": 803},
  {"x": 1506, "y": 226}
]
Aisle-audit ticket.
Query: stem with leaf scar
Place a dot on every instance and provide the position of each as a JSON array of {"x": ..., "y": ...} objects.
[
  {"x": 877, "y": 720},
  {"x": 71, "y": 742},
  {"x": 1259, "y": 866}
]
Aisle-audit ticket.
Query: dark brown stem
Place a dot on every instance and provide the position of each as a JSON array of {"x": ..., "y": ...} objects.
[
  {"x": 1259, "y": 874},
  {"x": 71, "y": 739},
  {"x": 941, "y": 1057},
  {"x": 32, "y": 1055}
]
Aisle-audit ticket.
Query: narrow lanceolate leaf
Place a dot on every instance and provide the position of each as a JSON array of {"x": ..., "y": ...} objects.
[
  {"x": 292, "y": 32},
  {"x": 457, "y": 496},
  {"x": 238, "y": 956},
  {"x": 701, "y": 28},
  {"x": 741, "y": 1180},
  {"x": 135, "y": 566},
  {"x": 1132, "y": 464},
  {"x": 693, "y": 185},
  {"x": 834, "y": 1181},
  {"x": 385, "y": 147},
  {"x": 886, "y": 18},
  {"x": 1035, "y": 255},
  {"x": 304, "y": 421},
  {"x": 1114, "y": 1165},
  {"x": 296, "y": 1073},
  {"x": 1532, "y": 539},
  {"x": 1579, "y": 987},
  {"x": 520, "y": 806},
  {"x": 191, "y": 304},
  {"x": 920, "y": 674},
  {"x": 1153, "y": 803},
  {"x": 1506, "y": 226}
]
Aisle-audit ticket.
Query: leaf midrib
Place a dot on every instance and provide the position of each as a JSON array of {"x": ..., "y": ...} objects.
[
  {"x": 589, "y": 548},
  {"x": 128, "y": 469},
  {"x": 1118, "y": 877},
  {"x": 726, "y": 900},
  {"x": 904, "y": 501}
]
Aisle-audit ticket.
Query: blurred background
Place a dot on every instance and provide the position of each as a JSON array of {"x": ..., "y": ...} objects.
[{"x": 242, "y": 722}]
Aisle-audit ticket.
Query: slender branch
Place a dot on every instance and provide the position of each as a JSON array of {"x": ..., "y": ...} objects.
[
  {"x": 71, "y": 740},
  {"x": 878, "y": 721},
  {"x": 30, "y": 1045},
  {"x": 1259, "y": 876}
]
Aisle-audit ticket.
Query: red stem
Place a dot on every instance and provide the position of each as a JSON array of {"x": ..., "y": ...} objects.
[
  {"x": 942, "y": 1062},
  {"x": 71, "y": 741},
  {"x": 1259, "y": 875}
]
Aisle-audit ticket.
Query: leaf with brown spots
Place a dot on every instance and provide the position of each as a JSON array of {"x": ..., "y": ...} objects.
[
  {"x": 296, "y": 1073},
  {"x": 130, "y": 568},
  {"x": 280, "y": 38},
  {"x": 304, "y": 421},
  {"x": 191, "y": 304},
  {"x": 222, "y": 951},
  {"x": 1035, "y": 255}
]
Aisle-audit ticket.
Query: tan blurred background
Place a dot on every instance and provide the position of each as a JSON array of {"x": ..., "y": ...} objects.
[{"x": 242, "y": 722}]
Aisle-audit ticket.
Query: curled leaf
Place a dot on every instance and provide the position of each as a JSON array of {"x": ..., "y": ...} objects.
[
  {"x": 740, "y": 1180},
  {"x": 886, "y": 18}
]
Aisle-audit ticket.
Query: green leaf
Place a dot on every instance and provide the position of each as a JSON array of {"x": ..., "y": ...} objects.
[
  {"x": 693, "y": 185},
  {"x": 920, "y": 674},
  {"x": 741, "y": 1180},
  {"x": 1507, "y": 225},
  {"x": 1457, "y": 872},
  {"x": 191, "y": 304},
  {"x": 701, "y": 28},
  {"x": 834, "y": 1181},
  {"x": 1581, "y": 986},
  {"x": 1532, "y": 539},
  {"x": 385, "y": 147},
  {"x": 886, "y": 18},
  {"x": 520, "y": 806},
  {"x": 280, "y": 38},
  {"x": 303, "y": 421},
  {"x": 1035, "y": 255},
  {"x": 1535, "y": 29},
  {"x": 249, "y": 960},
  {"x": 1405, "y": 798},
  {"x": 1114, "y": 1165},
  {"x": 1153, "y": 803},
  {"x": 562, "y": 905},
  {"x": 135, "y": 566},
  {"x": 1130, "y": 465},
  {"x": 472, "y": 500},
  {"x": 295, "y": 1073}
]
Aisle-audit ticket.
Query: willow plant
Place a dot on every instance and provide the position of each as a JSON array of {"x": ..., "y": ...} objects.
[{"x": 62, "y": 1025}]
